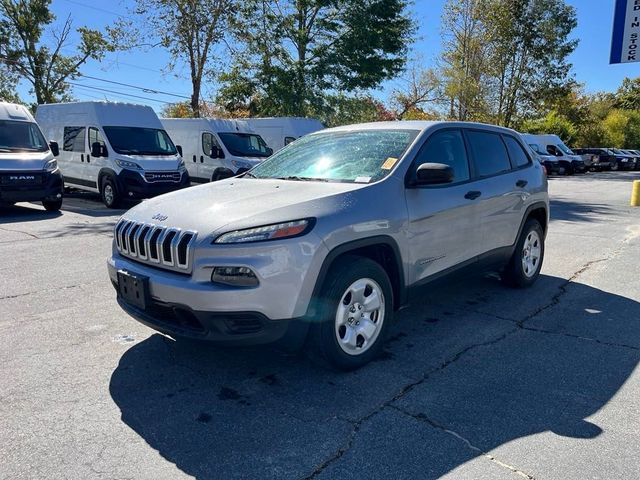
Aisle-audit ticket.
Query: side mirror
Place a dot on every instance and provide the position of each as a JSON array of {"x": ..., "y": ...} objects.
[
  {"x": 98, "y": 150},
  {"x": 179, "y": 148},
  {"x": 269, "y": 151},
  {"x": 55, "y": 149},
  {"x": 434, "y": 174}
]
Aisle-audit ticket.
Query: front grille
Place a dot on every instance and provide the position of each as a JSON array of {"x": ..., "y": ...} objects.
[
  {"x": 19, "y": 179},
  {"x": 153, "y": 177},
  {"x": 155, "y": 244}
]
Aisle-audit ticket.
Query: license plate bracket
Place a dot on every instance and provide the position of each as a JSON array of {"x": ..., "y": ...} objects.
[{"x": 134, "y": 289}]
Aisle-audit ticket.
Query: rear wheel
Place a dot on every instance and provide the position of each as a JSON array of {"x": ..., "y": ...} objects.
[
  {"x": 524, "y": 266},
  {"x": 354, "y": 313},
  {"x": 52, "y": 205},
  {"x": 615, "y": 166},
  {"x": 109, "y": 193}
]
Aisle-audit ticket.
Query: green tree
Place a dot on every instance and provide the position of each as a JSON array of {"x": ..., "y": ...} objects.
[
  {"x": 297, "y": 54},
  {"x": 41, "y": 62},
  {"x": 8, "y": 84},
  {"x": 615, "y": 126},
  {"x": 190, "y": 30},
  {"x": 627, "y": 97},
  {"x": 553, "y": 123}
]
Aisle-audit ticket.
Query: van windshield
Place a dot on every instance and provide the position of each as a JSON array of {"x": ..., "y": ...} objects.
[
  {"x": 21, "y": 137},
  {"x": 536, "y": 148},
  {"x": 566, "y": 150},
  {"x": 245, "y": 144},
  {"x": 139, "y": 141}
]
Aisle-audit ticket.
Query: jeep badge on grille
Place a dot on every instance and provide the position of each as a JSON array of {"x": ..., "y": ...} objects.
[{"x": 160, "y": 217}]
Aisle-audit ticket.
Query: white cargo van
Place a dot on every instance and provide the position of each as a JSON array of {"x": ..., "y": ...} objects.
[
  {"x": 553, "y": 145},
  {"x": 214, "y": 149},
  {"x": 279, "y": 132},
  {"x": 28, "y": 170},
  {"x": 119, "y": 150}
]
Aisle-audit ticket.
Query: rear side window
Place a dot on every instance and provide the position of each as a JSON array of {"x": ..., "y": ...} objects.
[
  {"x": 489, "y": 153},
  {"x": 518, "y": 156},
  {"x": 73, "y": 139},
  {"x": 446, "y": 146}
]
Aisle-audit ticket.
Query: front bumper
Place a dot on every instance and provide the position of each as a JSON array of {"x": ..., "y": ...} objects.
[
  {"x": 133, "y": 186},
  {"x": 553, "y": 168},
  {"x": 190, "y": 305},
  {"x": 50, "y": 187}
]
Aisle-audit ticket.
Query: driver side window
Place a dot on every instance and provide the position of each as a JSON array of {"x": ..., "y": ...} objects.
[
  {"x": 208, "y": 142},
  {"x": 446, "y": 146}
]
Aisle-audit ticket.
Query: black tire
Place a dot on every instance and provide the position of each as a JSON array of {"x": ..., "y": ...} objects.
[
  {"x": 109, "y": 193},
  {"x": 514, "y": 273},
  {"x": 52, "y": 205},
  {"x": 322, "y": 339},
  {"x": 615, "y": 167}
]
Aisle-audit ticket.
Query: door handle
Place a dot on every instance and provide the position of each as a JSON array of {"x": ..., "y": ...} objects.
[
  {"x": 82, "y": 157},
  {"x": 472, "y": 195},
  {"x": 194, "y": 158},
  {"x": 201, "y": 159},
  {"x": 521, "y": 183}
]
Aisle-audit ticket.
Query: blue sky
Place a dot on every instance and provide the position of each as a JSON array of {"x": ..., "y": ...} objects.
[{"x": 147, "y": 69}]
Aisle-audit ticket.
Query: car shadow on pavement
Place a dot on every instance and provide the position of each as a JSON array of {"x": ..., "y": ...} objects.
[
  {"x": 21, "y": 213},
  {"x": 571, "y": 211},
  {"x": 544, "y": 365}
]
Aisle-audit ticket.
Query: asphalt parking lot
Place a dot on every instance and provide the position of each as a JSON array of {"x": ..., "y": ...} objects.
[{"x": 478, "y": 381}]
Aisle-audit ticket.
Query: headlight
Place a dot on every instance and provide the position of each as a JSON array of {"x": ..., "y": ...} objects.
[
  {"x": 51, "y": 165},
  {"x": 239, "y": 164},
  {"x": 182, "y": 167},
  {"x": 127, "y": 164},
  {"x": 277, "y": 231}
]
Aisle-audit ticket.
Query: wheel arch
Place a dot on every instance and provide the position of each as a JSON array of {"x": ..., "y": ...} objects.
[
  {"x": 538, "y": 211},
  {"x": 107, "y": 172},
  {"x": 383, "y": 250}
]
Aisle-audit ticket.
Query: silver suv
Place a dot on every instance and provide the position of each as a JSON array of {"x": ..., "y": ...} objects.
[{"x": 326, "y": 239}]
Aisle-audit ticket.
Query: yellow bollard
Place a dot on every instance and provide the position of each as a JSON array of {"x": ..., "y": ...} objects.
[{"x": 635, "y": 194}]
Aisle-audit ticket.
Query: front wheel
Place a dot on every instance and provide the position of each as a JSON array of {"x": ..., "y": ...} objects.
[
  {"x": 52, "y": 205},
  {"x": 524, "y": 266},
  {"x": 355, "y": 310},
  {"x": 109, "y": 193}
]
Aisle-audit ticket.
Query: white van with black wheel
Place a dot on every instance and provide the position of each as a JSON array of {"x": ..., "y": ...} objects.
[
  {"x": 215, "y": 149},
  {"x": 119, "y": 150},
  {"x": 28, "y": 170},
  {"x": 553, "y": 145},
  {"x": 279, "y": 132}
]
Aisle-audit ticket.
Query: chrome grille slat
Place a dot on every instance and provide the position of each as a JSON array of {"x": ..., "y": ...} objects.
[{"x": 156, "y": 245}]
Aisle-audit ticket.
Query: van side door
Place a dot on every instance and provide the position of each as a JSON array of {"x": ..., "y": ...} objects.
[
  {"x": 443, "y": 227},
  {"x": 95, "y": 164},
  {"x": 72, "y": 157},
  {"x": 208, "y": 164}
]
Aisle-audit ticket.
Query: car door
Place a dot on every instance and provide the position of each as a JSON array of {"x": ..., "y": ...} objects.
[
  {"x": 93, "y": 165},
  {"x": 208, "y": 165},
  {"x": 502, "y": 184},
  {"x": 443, "y": 228},
  {"x": 72, "y": 162}
]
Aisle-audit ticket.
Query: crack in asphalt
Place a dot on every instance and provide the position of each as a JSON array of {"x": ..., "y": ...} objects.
[
  {"x": 421, "y": 417},
  {"x": 519, "y": 325},
  {"x": 20, "y": 231},
  {"x": 356, "y": 424},
  {"x": 66, "y": 287}
]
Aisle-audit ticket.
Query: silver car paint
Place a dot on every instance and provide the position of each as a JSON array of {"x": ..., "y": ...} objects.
[{"x": 434, "y": 228}]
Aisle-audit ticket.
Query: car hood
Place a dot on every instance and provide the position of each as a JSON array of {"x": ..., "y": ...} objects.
[
  {"x": 238, "y": 203},
  {"x": 12, "y": 161}
]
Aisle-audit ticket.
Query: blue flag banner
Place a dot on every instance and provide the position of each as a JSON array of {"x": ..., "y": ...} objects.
[{"x": 625, "y": 46}]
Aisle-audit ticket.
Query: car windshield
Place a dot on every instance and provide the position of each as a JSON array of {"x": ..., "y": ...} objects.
[
  {"x": 566, "y": 150},
  {"x": 618, "y": 151},
  {"x": 139, "y": 141},
  {"x": 343, "y": 156},
  {"x": 245, "y": 144},
  {"x": 21, "y": 137}
]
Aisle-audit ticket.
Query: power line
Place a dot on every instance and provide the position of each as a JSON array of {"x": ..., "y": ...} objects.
[
  {"x": 98, "y": 9},
  {"x": 144, "y": 89},
  {"x": 92, "y": 87}
]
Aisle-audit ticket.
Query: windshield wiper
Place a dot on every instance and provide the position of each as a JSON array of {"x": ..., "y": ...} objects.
[
  {"x": 248, "y": 174},
  {"x": 302, "y": 179}
]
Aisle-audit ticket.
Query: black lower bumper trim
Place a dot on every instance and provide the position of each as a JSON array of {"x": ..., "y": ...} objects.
[
  {"x": 233, "y": 328},
  {"x": 49, "y": 189}
]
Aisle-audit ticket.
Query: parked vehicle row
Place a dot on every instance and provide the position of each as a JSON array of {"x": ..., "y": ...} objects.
[
  {"x": 600, "y": 159},
  {"x": 124, "y": 151},
  {"x": 554, "y": 154}
]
